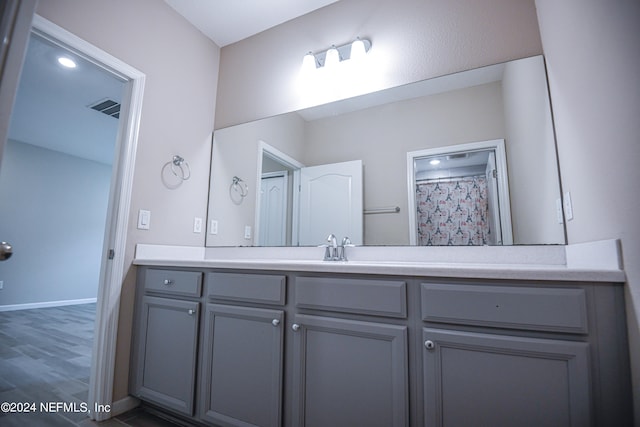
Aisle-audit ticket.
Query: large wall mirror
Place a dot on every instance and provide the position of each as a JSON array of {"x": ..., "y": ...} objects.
[{"x": 464, "y": 159}]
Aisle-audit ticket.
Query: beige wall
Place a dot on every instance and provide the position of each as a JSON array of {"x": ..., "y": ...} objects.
[
  {"x": 412, "y": 40},
  {"x": 593, "y": 60},
  {"x": 181, "y": 68}
]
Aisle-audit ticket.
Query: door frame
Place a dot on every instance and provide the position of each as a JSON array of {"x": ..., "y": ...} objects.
[
  {"x": 290, "y": 162},
  {"x": 498, "y": 146},
  {"x": 112, "y": 270},
  {"x": 15, "y": 27}
]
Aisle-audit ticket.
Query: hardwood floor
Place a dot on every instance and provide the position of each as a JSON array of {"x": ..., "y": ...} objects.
[{"x": 45, "y": 356}]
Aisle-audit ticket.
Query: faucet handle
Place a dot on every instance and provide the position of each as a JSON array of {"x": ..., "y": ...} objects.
[
  {"x": 327, "y": 251},
  {"x": 346, "y": 243}
]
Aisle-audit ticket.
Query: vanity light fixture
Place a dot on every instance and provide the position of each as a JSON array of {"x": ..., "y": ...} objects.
[
  {"x": 335, "y": 54},
  {"x": 66, "y": 62}
]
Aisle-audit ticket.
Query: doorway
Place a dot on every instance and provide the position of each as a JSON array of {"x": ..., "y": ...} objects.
[{"x": 108, "y": 258}]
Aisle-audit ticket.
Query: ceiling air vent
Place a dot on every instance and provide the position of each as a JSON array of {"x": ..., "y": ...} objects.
[{"x": 108, "y": 107}]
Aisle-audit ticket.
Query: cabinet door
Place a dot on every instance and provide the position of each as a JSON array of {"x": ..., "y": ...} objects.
[
  {"x": 473, "y": 379},
  {"x": 242, "y": 366},
  {"x": 349, "y": 373},
  {"x": 166, "y": 353}
]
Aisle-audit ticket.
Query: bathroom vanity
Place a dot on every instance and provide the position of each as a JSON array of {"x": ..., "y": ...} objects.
[{"x": 299, "y": 342}]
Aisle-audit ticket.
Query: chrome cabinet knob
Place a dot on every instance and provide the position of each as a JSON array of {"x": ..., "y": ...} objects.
[
  {"x": 430, "y": 345},
  {"x": 6, "y": 250},
  {"x": 191, "y": 312},
  {"x": 168, "y": 282},
  {"x": 295, "y": 327},
  {"x": 275, "y": 322}
]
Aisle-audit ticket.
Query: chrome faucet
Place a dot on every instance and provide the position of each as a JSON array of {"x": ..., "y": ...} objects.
[{"x": 331, "y": 253}]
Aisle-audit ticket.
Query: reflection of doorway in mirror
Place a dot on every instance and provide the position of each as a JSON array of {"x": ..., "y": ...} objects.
[
  {"x": 459, "y": 195},
  {"x": 276, "y": 203},
  {"x": 273, "y": 209}
]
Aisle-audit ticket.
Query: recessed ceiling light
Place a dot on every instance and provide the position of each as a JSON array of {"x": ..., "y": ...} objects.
[
  {"x": 66, "y": 62},
  {"x": 434, "y": 162}
]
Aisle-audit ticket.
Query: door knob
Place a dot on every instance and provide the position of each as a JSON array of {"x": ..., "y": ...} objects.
[
  {"x": 6, "y": 250},
  {"x": 430, "y": 345},
  {"x": 295, "y": 327}
]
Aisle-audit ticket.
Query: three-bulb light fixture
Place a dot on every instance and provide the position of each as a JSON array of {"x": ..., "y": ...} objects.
[{"x": 334, "y": 55}]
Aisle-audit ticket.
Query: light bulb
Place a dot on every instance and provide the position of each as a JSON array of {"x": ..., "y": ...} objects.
[
  {"x": 332, "y": 57},
  {"x": 66, "y": 62},
  {"x": 434, "y": 162},
  {"x": 308, "y": 63},
  {"x": 358, "y": 49}
]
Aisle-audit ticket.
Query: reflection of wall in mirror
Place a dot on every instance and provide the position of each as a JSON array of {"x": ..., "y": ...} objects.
[
  {"x": 381, "y": 137},
  {"x": 533, "y": 169},
  {"x": 235, "y": 153}
]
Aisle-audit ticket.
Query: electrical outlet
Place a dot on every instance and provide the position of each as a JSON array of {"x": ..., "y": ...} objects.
[
  {"x": 214, "y": 227},
  {"x": 247, "y": 232},
  {"x": 197, "y": 225}
]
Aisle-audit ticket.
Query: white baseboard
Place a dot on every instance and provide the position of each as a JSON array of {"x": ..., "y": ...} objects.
[
  {"x": 12, "y": 307},
  {"x": 123, "y": 405}
]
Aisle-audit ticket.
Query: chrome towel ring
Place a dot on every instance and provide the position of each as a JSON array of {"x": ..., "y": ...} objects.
[
  {"x": 238, "y": 190},
  {"x": 180, "y": 172},
  {"x": 180, "y": 168}
]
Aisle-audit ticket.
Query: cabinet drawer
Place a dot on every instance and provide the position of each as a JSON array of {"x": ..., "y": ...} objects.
[
  {"x": 174, "y": 282},
  {"x": 543, "y": 309},
  {"x": 360, "y": 296},
  {"x": 261, "y": 288}
]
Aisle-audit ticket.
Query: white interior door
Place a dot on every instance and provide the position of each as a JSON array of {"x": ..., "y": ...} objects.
[
  {"x": 494, "y": 201},
  {"x": 273, "y": 210},
  {"x": 331, "y": 202}
]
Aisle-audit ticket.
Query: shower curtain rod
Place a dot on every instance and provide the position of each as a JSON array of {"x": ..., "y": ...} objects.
[{"x": 449, "y": 178}]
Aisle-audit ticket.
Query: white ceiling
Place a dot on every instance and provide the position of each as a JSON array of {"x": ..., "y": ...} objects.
[
  {"x": 228, "y": 21},
  {"x": 51, "y": 108}
]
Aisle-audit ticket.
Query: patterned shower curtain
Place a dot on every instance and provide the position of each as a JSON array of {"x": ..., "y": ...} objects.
[{"x": 453, "y": 212}]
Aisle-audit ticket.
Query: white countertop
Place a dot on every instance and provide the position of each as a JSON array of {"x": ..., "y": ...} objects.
[{"x": 592, "y": 262}]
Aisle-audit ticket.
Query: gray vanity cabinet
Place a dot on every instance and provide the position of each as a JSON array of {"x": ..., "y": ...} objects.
[
  {"x": 242, "y": 366},
  {"x": 474, "y": 379},
  {"x": 317, "y": 349},
  {"x": 166, "y": 338},
  {"x": 349, "y": 372},
  {"x": 243, "y": 350},
  {"x": 506, "y": 378}
]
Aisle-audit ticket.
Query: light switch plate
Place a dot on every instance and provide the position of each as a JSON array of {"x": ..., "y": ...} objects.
[
  {"x": 247, "y": 232},
  {"x": 144, "y": 219}
]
